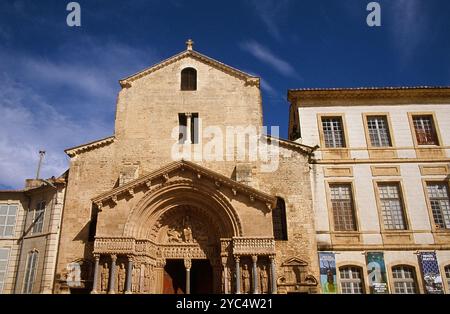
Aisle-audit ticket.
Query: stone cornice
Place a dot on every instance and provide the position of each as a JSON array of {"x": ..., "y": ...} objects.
[
  {"x": 199, "y": 171},
  {"x": 72, "y": 152},
  {"x": 249, "y": 79},
  {"x": 401, "y": 95},
  {"x": 291, "y": 145}
]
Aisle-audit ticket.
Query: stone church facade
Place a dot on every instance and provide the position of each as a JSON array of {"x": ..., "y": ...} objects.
[{"x": 139, "y": 221}]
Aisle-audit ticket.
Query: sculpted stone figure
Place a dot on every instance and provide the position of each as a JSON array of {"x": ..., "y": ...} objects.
[
  {"x": 187, "y": 231},
  {"x": 135, "y": 278},
  {"x": 147, "y": 275},
  {"x": 263, "y": 279},
  {"x": 245, "y": 279},
  {"x": 121, "y": 278},
  {"x": 173, "y": 236},
  {"x": 104, "y": 277}
]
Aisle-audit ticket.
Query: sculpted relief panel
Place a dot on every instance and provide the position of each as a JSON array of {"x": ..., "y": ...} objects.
[{"x": 183, "y": 226}]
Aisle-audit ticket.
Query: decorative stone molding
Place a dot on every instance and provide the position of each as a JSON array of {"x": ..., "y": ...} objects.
[
  {"x": 253, "y": 246},
  {"x": 164, "y": 174},
  {"x": 72, "y": 152}
]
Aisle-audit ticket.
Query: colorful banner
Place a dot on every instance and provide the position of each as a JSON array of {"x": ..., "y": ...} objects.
[
  {"x": 327, "y": 265},
  {"x": 376, "y": 270},
  {"x": 430, "y": 273}
]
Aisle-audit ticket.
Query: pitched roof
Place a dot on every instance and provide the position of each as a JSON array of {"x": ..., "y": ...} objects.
[{"x": 249, "y": 79}]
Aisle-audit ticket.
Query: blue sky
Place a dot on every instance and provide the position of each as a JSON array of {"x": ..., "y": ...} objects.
[{"x": 58, "y": 85}]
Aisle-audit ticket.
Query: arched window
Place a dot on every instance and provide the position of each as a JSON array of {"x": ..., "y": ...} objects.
[
  {"x": 30, "y": 272},
  {"x": 404, "y": 279},
  {"x": 447, "y": 274},
  {"x": 279, "y": 220},
  {"x": 351, "y": 280},
  {"x": 189, "y": 79}
]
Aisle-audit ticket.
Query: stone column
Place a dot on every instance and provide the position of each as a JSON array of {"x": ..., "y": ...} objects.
[
  {"x": 273, "y": 275},
  {"x": 129, "y": 275},
  {"x": 225, "y": 279},
  {"x": 188, "y": 128},
  {"x": 238, "y": 275},
  {"x": 95, "y": 283},
  {"x": 255, "y": 274},
  {"x": 112, "y": 275},
  {"x": 188, "y": 264}
]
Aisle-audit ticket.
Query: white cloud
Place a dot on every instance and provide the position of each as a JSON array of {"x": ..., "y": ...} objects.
[
  {"x": 271, "y": 12},
  {"x": 30, "y": 124},
  {"x": 410, "y": 22},
  {"x": 38, "y": 115},
  {"x": 265, "y": 55}
]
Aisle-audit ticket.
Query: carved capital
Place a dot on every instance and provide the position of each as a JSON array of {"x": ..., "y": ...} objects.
[
  {"x": 254, "y": 258},
  {"x": 131, "y": 191},
  {"x": 96, "y": 257},
  {"x": 113, "y": 258},
  {"x": 99, "y": 206},
  {"x": 114, "y": 199},
  {"x": 166, "y": 177},
  {"x": 130, "y": 258},
  {"x": 234, "y": 191},
  {"x": 237, "y": 258},
  {"x": 148, "y": 184},
  {"x": 252, "y": 198},
  {"x": 187, "y": 263}
]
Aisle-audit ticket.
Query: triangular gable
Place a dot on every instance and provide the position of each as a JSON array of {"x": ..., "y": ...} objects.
[
  {"x": 294, "y": 261},
  {"x": 249, "y": 79},
  {"x": 201, "y": 172}
]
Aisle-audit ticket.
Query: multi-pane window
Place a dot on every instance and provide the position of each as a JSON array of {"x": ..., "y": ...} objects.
[
  {"x": 39, "y": 213},
  {"x": 188, "y": 79},
  {"x": 378, "y": 131},
  {"x": 391, "y": 206},
  {"x": 425, "y": 130},
  {"x": 3, "y": 265},
  {"x": 440, "y": 203},
  {"x": 447, "y": 274},
  {"x": 333, "y": 132},
  {"x": 342, "y": 206},
  {"x": 351, "y": 280},
  {"x": 279, "y": 220},
  {"x": 7, "y": 220},
  {"x": 30, "y": 272},
  {"x": 404, "y": 280}
]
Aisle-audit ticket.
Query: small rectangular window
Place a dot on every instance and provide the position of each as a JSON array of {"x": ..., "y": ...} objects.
[
  {"x": 425, "y": 130},
  {"x": 392, "y": 209},
  {"x": 342, "y": 206},
  {"x": 378, "y": 130},
  {"x": 333, "y": 132},
  {"x": 8, "y": 215},
  {"x": 39, "y": 214},
  {"x": 440, "y": 203}
]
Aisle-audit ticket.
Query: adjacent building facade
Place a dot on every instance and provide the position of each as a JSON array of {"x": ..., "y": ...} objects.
[
  {"x": 30, "y": 220},
  {"x": 380, "y": 182}
]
